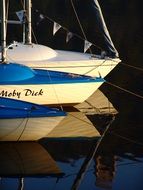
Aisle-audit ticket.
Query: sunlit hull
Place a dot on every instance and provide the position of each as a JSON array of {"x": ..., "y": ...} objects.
[
  {"x": 42, "y": 57},
  {"x": 51, "y": 94},
  {"x": 25, "y": 121},
  {"x": 27, "y": 129}
]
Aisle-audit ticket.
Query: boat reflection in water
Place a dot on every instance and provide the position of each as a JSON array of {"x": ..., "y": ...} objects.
[
  {"x": 71, "y": 164},
  {"x": 26, "y": 159},
  {"x": 105, "y": 171}
]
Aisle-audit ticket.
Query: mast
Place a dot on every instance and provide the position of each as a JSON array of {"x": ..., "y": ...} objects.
[
  {"x": 28, "y": 5},
  {"x": 21, "y": 184},
  {"x": 24, "y": 21},
  {"x": 3, "y": 32}
]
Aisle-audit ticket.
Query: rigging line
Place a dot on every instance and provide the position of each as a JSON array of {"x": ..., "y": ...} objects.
[
  {"x": 122, "y": 130},
  {"x": 95, "y": 67},
  {"x": 97, "y": 109},
  {"x": 109, "y": 104},
  {"x": 85, "y": 165},
  {"x": 126, "y": 138},
  {"x": 48, "y": 72},
  {"x": 20, "y": 164},
  {"x": 12, "y": 131},
  {"x": 56, "y": 94},
  {"x": 24, "y": 128},
  {"x": 125, "y": 90},
  {"x": 7, "y": 12},
  {"x": 77, "y": 17},
  {"x": 41, "y": 59},
  {"x": 36, "y": 41},
  {"x": 78, "y": 36},
  {"x": 21, "y": 184},
  {"x": 133, "y": 67},
  {"x": 80, "y": 119},
  {"x": 114, "y": 60},
  {"x": 127, "y": 65}
]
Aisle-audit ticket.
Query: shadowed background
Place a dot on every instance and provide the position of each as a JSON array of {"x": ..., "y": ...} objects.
[{"x": 124, "y": 21}]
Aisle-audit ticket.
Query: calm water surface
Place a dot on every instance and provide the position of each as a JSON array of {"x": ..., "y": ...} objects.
[{"x": 74, "y": 164}]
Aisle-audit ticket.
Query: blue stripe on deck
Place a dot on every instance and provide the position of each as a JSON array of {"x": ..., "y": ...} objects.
[{"x": 16, "y": 74}]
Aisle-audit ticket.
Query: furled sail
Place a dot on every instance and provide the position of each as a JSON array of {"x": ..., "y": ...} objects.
[
  {"x": 90, "y": 16},
  {"x": 110, "y": 48}
]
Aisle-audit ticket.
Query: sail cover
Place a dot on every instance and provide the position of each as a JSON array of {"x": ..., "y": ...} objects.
[
  {"x": 93, "y": 23},
  {"x": 110, "y": 48}
]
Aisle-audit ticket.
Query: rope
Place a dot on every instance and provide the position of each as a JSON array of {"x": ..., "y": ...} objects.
[
  {"x": 82, "y": 30},
  {"x": 12, "y": 131},
  {"x": 125, "y": 90},
  {"x": 125, "y": 138},
  {"x": 97, "y": 109},
  {"x": 23, "y": 129},
  {"x": 95, "y": 68},
  {"x": 83, "y": 169},
  {"x": 131, "y": 66},
  {"x": 78, "y": 36},
  {"x": 80, "y": 119},
  {"x": 41, "y": 57},
  {"x": 21, "y": 184},
  {"x": 7, "y": 13}
]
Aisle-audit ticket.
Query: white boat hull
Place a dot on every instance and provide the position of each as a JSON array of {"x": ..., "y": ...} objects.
[
  {"x": 93, "y": 68},
  {"x": 42, "y": 57},
  {"x": 27, "y": 129},
  {"x": 51, "y": 94}
]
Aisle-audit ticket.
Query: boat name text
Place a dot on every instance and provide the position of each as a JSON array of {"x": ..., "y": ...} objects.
[{"x": 17, "y": 94}]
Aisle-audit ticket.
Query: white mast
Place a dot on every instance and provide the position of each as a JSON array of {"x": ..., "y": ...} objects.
[
  {"x": 24, "y": 20},
  {"x": 3, "y": 32},
  {"x": 28, "y": 35}
]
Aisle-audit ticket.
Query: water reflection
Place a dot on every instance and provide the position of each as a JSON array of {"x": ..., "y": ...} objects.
[
  {"x": 73, "y": 164},
  {"x": 26, "y": 159},
  {"x": 105, "y": 171}
]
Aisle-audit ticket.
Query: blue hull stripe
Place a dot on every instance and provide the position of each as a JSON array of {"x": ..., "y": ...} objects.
[
  {"x": 10, "y": 108},
  {"x": 15, "y": 74}
]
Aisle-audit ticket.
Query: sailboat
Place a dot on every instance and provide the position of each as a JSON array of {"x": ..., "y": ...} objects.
[
  {"x": 21, "y": 82},
  {"x": 43, "y": 57}
]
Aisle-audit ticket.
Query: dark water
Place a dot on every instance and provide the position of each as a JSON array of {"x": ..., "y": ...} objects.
[{"x": 118, "y": 162}]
